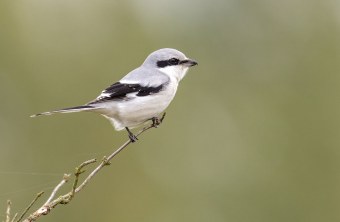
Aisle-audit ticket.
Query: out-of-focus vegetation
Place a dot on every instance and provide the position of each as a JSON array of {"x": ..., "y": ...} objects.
[{"x": 253, "y": 134}]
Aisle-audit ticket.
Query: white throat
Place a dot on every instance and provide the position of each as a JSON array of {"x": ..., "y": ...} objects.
[{"x": 177, "y": 72}]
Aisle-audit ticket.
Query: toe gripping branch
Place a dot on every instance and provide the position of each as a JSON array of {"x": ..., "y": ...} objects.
[
  {"x": 156, "y": 121},
  {"x": 133, "y": 138}
]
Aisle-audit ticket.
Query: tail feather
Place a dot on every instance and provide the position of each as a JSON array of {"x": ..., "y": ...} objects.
[{"x": 67, "y": 110}]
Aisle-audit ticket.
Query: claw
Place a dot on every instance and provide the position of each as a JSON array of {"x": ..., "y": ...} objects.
[{"x": 133, "y": 138}]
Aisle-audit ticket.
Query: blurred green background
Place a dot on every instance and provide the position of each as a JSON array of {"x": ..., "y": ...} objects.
[{"x": 252, "y": 135}]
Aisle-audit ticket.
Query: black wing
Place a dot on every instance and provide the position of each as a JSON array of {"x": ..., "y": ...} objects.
[{"x": 119, "y": 91}]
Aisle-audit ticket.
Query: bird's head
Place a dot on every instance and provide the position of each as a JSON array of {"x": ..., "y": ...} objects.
[{"x": 170, "y": 61}]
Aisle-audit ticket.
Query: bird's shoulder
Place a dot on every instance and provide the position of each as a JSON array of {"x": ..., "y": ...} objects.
[
  {"x": 139, "y": 82},
  {"x": 146, "y": 77}
]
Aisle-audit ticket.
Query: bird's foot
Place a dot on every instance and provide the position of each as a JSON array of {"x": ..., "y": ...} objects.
[
  {"x": 156, "y": 121},
  {"x": 133, "y": 138}
]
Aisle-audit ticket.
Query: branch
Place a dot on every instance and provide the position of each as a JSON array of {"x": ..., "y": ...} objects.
[
  {"x": 28, "y": 207},
  {"x": 52, "y": 202}
]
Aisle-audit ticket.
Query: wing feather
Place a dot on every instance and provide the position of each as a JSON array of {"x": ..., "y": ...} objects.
[{"x": 121, "y": 91}]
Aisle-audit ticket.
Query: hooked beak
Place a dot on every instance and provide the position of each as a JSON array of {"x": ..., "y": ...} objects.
[{"x": 188, "y": 62}]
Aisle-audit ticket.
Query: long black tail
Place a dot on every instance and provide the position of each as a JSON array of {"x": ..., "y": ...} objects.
[{"x": 67, "y": 110}]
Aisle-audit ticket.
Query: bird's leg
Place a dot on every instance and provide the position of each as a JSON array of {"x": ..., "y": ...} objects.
[
  {"x": 132, "y": 137},
  {"x": 163, "y": 116},
  {"x": 156, "y": 121}
]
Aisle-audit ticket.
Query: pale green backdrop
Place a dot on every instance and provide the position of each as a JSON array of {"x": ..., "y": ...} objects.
[{"x": 252, "y": 136}]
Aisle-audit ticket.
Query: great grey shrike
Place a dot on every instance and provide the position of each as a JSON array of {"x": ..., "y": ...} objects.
[{"x": 142, "y": 95}]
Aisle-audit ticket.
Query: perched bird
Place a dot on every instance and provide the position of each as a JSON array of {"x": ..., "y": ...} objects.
[{"x": 142, "y": 95}]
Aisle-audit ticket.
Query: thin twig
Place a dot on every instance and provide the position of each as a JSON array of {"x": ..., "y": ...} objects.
[
  {"x": 79, "y": 170},
  {"x": 104, "y": 162},
  {"x": 66, "y": 177},
  {"x": 15, "y": 216},
  {"x": 29, "y": 206}
]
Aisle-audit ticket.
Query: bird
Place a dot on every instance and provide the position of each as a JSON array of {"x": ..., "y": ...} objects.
[{"x": 141, "y": 95}]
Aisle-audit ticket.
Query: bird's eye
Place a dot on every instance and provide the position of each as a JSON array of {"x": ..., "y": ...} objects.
[{"x": 173, "y": 61}]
